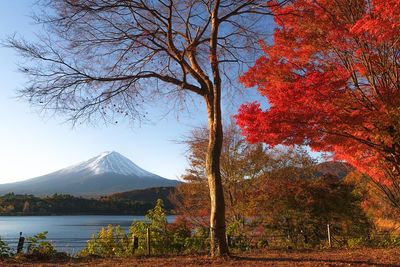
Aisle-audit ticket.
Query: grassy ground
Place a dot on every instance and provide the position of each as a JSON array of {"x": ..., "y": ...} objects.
[{"x": 359, "y": 257}]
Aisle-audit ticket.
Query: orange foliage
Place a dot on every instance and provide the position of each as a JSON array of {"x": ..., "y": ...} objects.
[{"x": 383, "y": 214}]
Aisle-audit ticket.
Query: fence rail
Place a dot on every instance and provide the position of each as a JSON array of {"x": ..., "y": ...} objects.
[{"x": 73, "y": 245}]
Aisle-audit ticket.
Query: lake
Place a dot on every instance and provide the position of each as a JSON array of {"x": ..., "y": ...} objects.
[{"x": 68, "y": 233}]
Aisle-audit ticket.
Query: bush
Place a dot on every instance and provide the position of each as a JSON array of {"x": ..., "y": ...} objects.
[
  {"x": 114, "y": 242},
  {"x": 198, "y": 241},
  {"x": 164, "y": 238},
  {"x": 5, "y": 250},
  {"x": 156, "y": 221},
  {"x": 38, "y": 245},
  {"x": 389, "y": 241},
  {"x": 376, "y": 240},
  {"x": 108, "y": 242},
  {"x": 177, "y": 237}
]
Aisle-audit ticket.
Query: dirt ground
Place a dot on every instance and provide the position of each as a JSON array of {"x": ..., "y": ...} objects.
[{"x": 359, "y": 257}]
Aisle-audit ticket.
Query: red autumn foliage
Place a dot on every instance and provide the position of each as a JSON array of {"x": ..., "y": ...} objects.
[{"x": 332, "y": 79}]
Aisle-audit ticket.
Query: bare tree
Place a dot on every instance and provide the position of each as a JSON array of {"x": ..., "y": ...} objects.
[{"x": 107, "y": 57}]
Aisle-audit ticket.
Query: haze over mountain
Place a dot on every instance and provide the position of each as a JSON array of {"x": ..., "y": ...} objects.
[{"x": 109, "y": 172}]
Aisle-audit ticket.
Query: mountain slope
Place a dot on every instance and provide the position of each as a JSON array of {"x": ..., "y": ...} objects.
[
  {"x": 110, "y": 172},
  {"x": 334, "y": 168}
]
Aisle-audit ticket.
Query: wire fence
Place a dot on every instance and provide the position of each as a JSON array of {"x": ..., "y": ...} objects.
[
  {"x": 73, "y": 245},
  {"x": 68, "y": 245}
]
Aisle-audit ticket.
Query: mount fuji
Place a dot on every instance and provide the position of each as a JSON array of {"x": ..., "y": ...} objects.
[{"x": 109, "y": 172}]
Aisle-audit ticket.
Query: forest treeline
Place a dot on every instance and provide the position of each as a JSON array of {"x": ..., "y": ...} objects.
[
  {"x": 136, "y": 202},
  {"x": 284, "y": 192}
]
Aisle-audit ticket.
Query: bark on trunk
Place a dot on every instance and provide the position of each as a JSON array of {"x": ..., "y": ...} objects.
[
  {"x": 213, "y": 99},
  {"x": 217, "y": 216}
]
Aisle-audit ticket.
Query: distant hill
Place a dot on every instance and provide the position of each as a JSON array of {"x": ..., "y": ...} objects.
[
  {"x": 334, "y": 168},
  {"x": 136, "y": 202},
  {"x": 107, "y": 173},
  {"x": 149, "y": 195}
]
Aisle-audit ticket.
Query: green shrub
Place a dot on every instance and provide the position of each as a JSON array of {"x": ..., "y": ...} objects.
[
  {"x": 376, "y": 240},
  {"x": 108, "y": 242},
  {"x": 114, "y": 242},
  {"x": 357, "y": 242},
  {"x": 164, "y": 238},
  {"x": 39, "y": 245},
  {"x": 156, "y": 221},
  {"x": 390, "y": 241},
  {"x": 198, "y": 241},
  {"x": 5, "y": 250}
]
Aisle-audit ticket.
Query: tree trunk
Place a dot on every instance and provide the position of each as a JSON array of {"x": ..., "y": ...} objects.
[{"x": 217, "y": 216}]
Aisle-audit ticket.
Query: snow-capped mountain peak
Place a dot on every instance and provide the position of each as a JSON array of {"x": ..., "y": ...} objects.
[
  {"x": 108, "y": 162},
  {"x": 109, "y": 172}
]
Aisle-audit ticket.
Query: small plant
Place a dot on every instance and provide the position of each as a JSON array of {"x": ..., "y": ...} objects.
[
  {"x": 198, "y": 242},
  {"x": 5, "y": 250},
  {"x": 110, "y": 241},
  {"x": 114, "y": 242},
  {"x": 385, "y": 240},
  {"x": 39, "y": 245},
  {"x": 156, "y": 221},
  {"x": 376, "y": 240}
]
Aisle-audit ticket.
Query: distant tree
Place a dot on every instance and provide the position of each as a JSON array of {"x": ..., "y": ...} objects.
[
  {"x": 271, "y": 191},
  {"x": 293, "y": 199},
  {"x": 376, "y": 206},
  {"x": 26, "y": 208},
  {"x": 240, "y": 163},
  {"x": 108, "y": 58},
  {"x": 67, "y": 205},
  {"x": 332, "y": 80}
]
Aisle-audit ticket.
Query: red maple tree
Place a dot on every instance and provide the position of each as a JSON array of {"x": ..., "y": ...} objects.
[{"x": 332, "y": 80}]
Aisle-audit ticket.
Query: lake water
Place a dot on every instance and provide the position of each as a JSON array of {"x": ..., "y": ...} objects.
[{"x": 68, "y": 233}]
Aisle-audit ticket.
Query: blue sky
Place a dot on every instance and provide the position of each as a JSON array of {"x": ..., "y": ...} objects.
[{"x": 33, "y": 145}]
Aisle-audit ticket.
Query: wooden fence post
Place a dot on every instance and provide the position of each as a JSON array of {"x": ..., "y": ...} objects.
[
  {"x": 21, "y": 241},
  {"x": 328, "y": 226},
  {"x": 135, "y": 243},
  {"x": 148, "y": 242}
]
